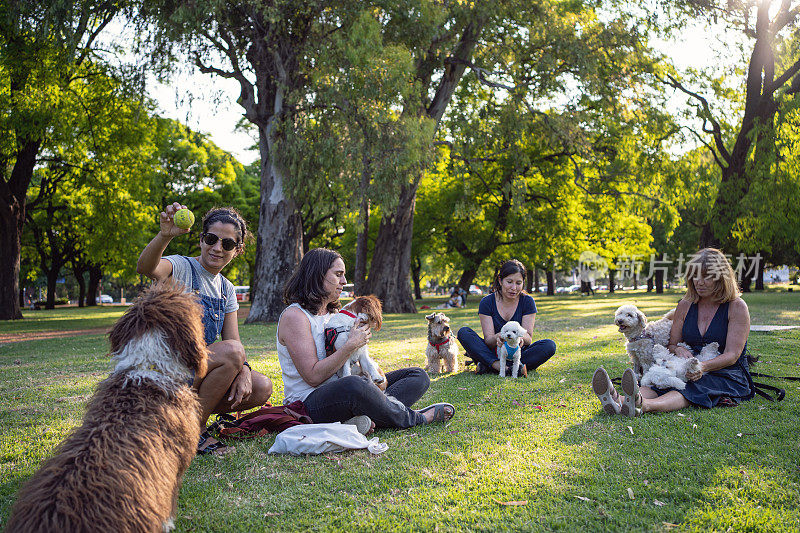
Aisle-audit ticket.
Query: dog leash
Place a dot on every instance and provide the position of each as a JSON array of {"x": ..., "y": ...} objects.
[{"x": 779, "y": 392}]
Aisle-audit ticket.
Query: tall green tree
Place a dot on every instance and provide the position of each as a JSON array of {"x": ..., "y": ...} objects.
[
  {"x": 442, "y": 38},
  {"x": 43, "y": 51},
  {"x": 89, "y": 196},
  {"x": 269, "y": 48},
  {"x": 772, "y": 75}
]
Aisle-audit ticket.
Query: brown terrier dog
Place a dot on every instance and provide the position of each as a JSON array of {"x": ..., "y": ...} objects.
[
  {"x": 121, "y": 469},
  {"x": 441, "y": 345}
]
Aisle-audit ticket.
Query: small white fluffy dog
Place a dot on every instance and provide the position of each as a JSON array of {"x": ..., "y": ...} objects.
[
  {"x": 367, "y": 310},
  {"x": 511, "y": 348},
  {"x": 642, "y": 336},
  {"x": 669, "y": 370},
  {"x": 442, "y": 350}
]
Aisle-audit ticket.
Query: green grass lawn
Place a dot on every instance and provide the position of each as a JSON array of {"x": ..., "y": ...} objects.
[
  {"x": 64, "y": 318},
  {"x": 542, "y": 440}
]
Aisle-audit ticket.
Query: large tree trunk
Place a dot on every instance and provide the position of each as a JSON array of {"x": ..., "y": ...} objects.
[
  {"x": 360, "y": 272},
  {"x": 551, "y": 282},
  {"x": 280, "y": 236},
  {"x": 392, "y": 253},
  {"x": 93, "y": 291},
  {"x": 536, "y": 279},
  {"x": 416, "y": 276},
  {"x": 760, "y": 276},
  {"x": 467, "y": 277},
  {"x": 12, "y": 217},
  {"x": 391, "y": 259},
  {"x": 52, "y": 278},
  {"x": 9, "y": 265},
  {"x": 78, "y": 273},
  {"x": 659, "y": 281},
  {"x": 612, "y": 282}
]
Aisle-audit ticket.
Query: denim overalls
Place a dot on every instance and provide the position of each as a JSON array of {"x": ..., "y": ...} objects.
[{"x": 213, "y": 308}]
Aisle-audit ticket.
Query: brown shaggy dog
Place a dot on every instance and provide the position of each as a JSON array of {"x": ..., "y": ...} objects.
[{"x": 121, "y": 470}]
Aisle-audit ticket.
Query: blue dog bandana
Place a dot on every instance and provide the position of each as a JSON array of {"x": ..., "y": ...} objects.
[{"x": 510, "y": 351}]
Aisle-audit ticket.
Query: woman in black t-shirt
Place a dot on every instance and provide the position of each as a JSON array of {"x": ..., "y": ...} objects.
[{"x": 507, "y": 301}]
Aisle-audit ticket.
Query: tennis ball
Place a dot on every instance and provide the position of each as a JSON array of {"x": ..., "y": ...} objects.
[{"x": 183, "y": 219}]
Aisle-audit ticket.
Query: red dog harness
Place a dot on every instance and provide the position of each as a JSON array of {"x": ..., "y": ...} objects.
[
  {"x": 439, "y": 344},
  {"x": 332, "y": 333}
]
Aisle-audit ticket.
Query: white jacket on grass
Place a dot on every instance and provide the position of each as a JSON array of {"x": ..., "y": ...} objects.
[{"x": 315, "y": 439}]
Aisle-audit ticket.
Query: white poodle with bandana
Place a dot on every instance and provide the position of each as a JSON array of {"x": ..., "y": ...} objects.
[{"x": 511, "y": 335}]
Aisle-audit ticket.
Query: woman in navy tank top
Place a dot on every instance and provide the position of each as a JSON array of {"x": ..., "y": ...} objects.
[{"x": 711, "y": 311}]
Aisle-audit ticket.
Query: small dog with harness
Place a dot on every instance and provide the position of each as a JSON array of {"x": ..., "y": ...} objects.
[
  {"x": 364, "y": 309},
  {"x": 121, "y": 469},
  {"x": 642, "y": 335},
  {"x": 441, "y": 346},
  {"x": 511, "y": 348}
]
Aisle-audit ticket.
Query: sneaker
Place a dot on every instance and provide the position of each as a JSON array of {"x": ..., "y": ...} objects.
[
  {"x": 363, "y": 423},
  {"x": 480, "y": 368}
]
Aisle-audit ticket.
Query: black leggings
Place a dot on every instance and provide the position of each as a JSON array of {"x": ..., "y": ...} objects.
[{"x": 357, "y": 395}]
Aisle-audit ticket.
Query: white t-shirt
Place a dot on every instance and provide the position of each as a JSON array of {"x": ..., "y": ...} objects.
[
  {"x": 294, "y": 387},
  {"x": 209, "y": 284}
]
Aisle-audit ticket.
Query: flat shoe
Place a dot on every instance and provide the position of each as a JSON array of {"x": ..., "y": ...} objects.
[
  {"x": 602, "y": 387},
  {"x": 480, "y": 369},
  {"x": 440, "y": 412},
  {"x": 630, "y": 406},
  {"x": 363, "y": 424}
]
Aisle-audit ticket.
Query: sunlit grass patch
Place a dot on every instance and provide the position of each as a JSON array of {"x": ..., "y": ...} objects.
[{"x": 532, "y": 454}]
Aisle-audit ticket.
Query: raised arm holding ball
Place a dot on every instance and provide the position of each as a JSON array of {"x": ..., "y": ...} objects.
[{"x": 230, "y": 384}]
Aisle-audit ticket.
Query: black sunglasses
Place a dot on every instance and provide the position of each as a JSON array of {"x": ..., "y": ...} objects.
[{"x": 211, "y": 239}]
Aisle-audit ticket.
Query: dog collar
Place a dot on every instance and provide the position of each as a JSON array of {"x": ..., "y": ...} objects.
[
  {"x": 641, "y": 336},
  {"x": 348, "y": 313},
  {"x": 510, "y": 351},
  {"x": 437, "y": 345}
]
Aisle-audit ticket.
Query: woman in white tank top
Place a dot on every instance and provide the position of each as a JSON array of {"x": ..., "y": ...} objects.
[{"x": 311, "y": 377}]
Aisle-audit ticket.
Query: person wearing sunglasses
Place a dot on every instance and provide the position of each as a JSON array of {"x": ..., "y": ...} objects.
[{"x": 230, "y": 384}]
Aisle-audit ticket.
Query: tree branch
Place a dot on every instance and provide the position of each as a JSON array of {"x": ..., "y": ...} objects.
[
  {"x": 707, "y": 145},
  {"x": 784, "y": 16},
  {"x": 783, "y": 78},
  {"x": 86, "y": 49},
  {"x": 716, "y": 130}
]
